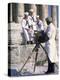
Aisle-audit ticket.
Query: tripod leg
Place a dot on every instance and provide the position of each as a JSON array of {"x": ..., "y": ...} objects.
[
  {"x": 35, "y": 59},
  {"x": 27, "y": 59},
  {"x": 44, "y": 50},
  {"x": 24, "y": 64}
]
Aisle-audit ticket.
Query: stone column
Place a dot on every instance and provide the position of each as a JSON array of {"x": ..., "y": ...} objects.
[
  {"x": 11, "y": 19},
  {"x": 39, "y": 11},
  {"x": 33, "y": 6},
  {"x": 20, "y": 11},
  {"x": 44, "y": 13},
  {"x": 54, "y": 14}
]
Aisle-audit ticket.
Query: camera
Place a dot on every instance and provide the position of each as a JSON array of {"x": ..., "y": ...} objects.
[{"x": 41, "y": 36}]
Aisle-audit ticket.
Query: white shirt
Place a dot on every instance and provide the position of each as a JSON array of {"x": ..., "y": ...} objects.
[{"x": 40, "y": 25}]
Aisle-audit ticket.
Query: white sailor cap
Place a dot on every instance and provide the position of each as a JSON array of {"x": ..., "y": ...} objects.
[
  {"x": 26, "y": 13},
  {"x": 31, "y": 10}
]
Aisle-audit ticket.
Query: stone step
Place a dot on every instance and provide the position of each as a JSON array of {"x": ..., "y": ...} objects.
[{"x": 19, "y": 53}]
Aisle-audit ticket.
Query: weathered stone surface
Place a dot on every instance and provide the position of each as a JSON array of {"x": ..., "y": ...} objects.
[
  {"x": 15, "y": 33},
  {"x": 19, "y": 53}
]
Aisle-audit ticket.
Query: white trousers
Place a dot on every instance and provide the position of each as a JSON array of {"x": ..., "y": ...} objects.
[{"x": 28, "y": 36}]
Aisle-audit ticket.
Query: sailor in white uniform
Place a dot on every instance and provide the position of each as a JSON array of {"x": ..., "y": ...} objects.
[
  {"x": 32, "y": 19},
  {"x": 39, "y": 24},
  {"x": 27, "y": 29}
]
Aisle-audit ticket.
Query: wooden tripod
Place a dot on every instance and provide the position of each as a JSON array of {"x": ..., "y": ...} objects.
[{"x": 36, "y": 50}]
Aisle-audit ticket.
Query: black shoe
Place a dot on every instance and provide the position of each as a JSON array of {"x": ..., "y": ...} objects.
[
  {"x": 31, "y": 42},
  {"x": 47, "y": 72},
  {"x": 28, "y": 42}
]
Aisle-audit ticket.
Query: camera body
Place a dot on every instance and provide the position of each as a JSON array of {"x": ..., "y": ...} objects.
[{"x": 41, "y": 36}]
